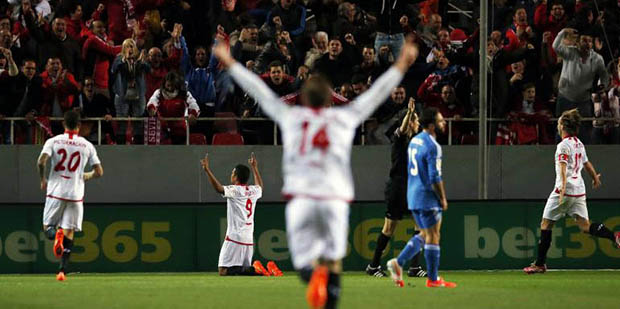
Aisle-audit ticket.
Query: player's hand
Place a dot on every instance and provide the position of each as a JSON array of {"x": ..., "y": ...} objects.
[
  {"x": 252, "y": 161},
  {"x": 222, "y": 53},
  {"x": 43, "y": 184},
  {"x": 205, "y": 162},
  {"x": 88, "y": 176},
  {"x": 408, "y": 55},
  {"x": 596, "y": 182},
  {"x": 444, "y": 204}
]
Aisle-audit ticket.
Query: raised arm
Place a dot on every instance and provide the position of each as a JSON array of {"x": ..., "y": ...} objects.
[
  {"x": 258, "y": 180},
  {"x": 253, "y": 85},
  {"x": 365, "y": 104},
  {"x": 216, "y": 184},
  {"x": 558, "y": 44}
]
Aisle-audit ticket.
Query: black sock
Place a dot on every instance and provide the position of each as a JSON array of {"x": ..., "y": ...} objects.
[
  {"x": 382, "y": 242},
  {"x": 241, "y": 271},
  {"x": 543, "y": 246},
  {"x": 333, "y": 290},
  {"x": 599, "y": 230},
  {"x": 306, "y": 273},
  {"x": 64, "y": 260},
  {"x": 50, "y": 232}
]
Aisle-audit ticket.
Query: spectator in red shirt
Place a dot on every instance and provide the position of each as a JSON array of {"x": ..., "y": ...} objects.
[
  {"x": 530, "y": 117},
  {"x": 554, "y": 22},
  {"x": 173, "y": 100},
  {"x": 97, "y": 51},
  {"x": 519, "y": 33},
  {"x": 75, "y": 24},
  {"x": 59, "y": 88}
]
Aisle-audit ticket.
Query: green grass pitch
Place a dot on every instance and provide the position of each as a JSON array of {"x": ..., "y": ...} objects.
[{"x": 505, "y": 289}]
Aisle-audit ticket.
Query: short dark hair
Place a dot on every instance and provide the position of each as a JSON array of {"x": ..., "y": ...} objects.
[
  {"x": 428, "y": 117},
  {"x": 527, "y": 86},
  {"x": 359, "y": 79},
  {"x": 72, "y": 120},
  {"x": 29, "y": 60},
  {"x": 275, "y": 63},
  {"x": 316, "y": 91},
  {"x": 243, "y": 173},
  {"x": 571, "y": 120}
]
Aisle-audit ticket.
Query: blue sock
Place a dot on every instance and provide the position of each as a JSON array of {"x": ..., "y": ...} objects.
[
  {"x": 414, "y": 245},
  {"x": 431, "y": 253}
]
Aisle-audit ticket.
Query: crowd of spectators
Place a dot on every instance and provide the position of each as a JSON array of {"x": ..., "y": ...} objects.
[{"x": 152, "y": 58}]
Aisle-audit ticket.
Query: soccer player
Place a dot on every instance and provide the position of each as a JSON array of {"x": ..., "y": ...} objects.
[
  {"x": 316, "y": 165},
  {"x": 569, "y": 195},
  {"x": 64, "y": 210},
  {"x": 427, "y": 200},
  {"x": 238, "y": 248},
  {"x": 396, "y": 194}
]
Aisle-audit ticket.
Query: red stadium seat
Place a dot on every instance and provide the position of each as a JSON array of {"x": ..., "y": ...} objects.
[
  {"x": 197, "y": 139},
  {"x": 227, "y": 125},
  {"x": 227, "y": 138}
]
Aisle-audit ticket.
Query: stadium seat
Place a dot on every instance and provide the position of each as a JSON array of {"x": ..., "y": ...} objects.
[
  {"x": 197, "y": 139},
  {"x": 225, "y": 125},
  {"x": 469, "y": 139},
  {"x": 227, "y": 138}
]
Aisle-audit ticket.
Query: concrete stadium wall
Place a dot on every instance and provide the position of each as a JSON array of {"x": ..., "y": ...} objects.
[{"x": 172, "y": 174}]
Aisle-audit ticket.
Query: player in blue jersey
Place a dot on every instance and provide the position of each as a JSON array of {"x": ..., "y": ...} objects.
[{"x": 426, "y": 197}]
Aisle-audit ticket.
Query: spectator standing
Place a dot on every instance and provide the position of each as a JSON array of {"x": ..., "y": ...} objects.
[
  {"x": 97, "y": 51},
  {"x": 93, "y": 105},
  {"x": 581, "y": 67},
  {"x": 159, "y": 66}
]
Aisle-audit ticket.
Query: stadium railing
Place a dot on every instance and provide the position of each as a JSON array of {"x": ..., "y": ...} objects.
[{"x": 99, "y": 120}]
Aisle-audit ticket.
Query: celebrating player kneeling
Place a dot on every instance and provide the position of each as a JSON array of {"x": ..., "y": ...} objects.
[
  {"x": 238, "y": 248},
  {"x": 65, "y": 189},
  {"x": 569, "y": 194}
]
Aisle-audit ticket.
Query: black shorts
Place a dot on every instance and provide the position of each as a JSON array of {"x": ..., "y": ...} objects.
[{"x": 396, "y": 199}]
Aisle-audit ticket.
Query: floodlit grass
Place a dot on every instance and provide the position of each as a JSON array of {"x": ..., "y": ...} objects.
[{"x": 512, "y": 289}]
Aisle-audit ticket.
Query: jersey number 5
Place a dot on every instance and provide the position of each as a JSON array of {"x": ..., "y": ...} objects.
[
  {"x": 248, "y": 207},
  {"x": 414, "y": 163},
  {"x": 72, "y": 165},
  {"x": 320, "y": 139}
]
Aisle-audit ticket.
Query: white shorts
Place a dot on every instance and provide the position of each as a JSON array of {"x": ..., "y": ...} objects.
[
  {"x": 234, "y": 254},
  {"x": 67, "y": 215},
  {"x": 571, "y": 206},
  {"x": 316, "y": 229}
]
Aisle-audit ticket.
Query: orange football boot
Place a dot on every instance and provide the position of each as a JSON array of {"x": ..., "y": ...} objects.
[
  {"x": 440, "y": 283},
  {"x": 61, "y": 276},
  {"x": 273, "y": 269},
  {"x": 58, "y": 247},
  {"x": 260, "y": 269},
  {"x": 316, "y": 295}
]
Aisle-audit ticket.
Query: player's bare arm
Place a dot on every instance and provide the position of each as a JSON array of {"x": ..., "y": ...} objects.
[
  {"x": 258, "y": 180},
  {"x": 440, "y": 190},
  {"x": 408, "y": 55},
  {"x": 214, "y": 182},
  {"x": 596, "y": 178},
  {"x": 563, "y": 176},
  {"x": 95, "y": 173},
  {"x": 41, "y": 163}
]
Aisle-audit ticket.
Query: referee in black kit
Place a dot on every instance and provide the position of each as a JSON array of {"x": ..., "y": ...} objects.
[{"x": 396, "y": 193}]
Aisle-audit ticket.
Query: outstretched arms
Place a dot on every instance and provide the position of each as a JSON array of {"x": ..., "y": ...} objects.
[
  {"x": 365, "y": 104},
  {"x": 214, "y": 182},
  {"x": 252, "y": 84}
]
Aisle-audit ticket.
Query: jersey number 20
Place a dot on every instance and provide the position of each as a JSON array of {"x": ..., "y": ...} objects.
[{"x": 72, "y": 165}]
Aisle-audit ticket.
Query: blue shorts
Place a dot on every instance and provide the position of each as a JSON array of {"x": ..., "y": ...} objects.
[{"x": 426, "y": 218}]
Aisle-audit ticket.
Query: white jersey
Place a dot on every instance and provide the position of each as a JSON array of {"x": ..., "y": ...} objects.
[
  {"x": 572, "y": 152},
  {"x": 69, "y": 153},
  {"x": 241, "y": 203},
  {"x": 317, "y": 142}
]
